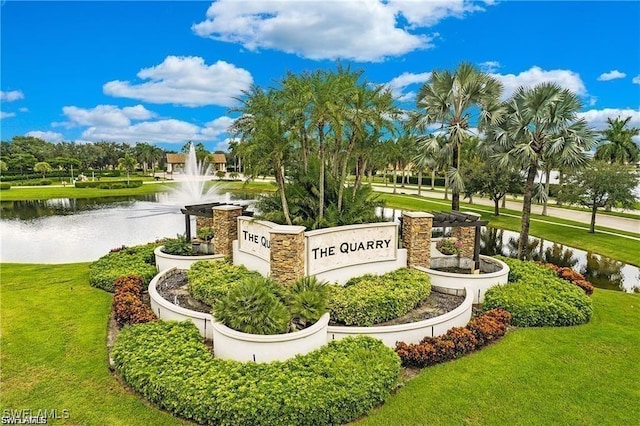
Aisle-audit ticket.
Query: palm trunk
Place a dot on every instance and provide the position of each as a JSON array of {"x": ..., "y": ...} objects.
[
  {"x": 496, "y": 207},
  {"x": 283, "y": 197},
  {"x": 594, "y": 211},
  {"x": 560, "y": 183},
  {"x": 446, "y": 187},
  {"x": 546, "y": 191},
  {"x": 526, "y": 211},
  {"x": 455, "y": 194},
  {"x": 321, "y": 178},
  {"x": 395, "y": 177},
  {"x": 433, "y": 179},
  {"x": 419, "y": 181}
]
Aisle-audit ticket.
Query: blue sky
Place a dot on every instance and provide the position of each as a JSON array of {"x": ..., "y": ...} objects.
[{"x": 168, "y": 72}]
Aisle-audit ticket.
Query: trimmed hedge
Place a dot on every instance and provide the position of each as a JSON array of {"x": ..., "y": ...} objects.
[
  {"x": 167, "y": 363},
  {"x": 115, "y": 184},
  {"x": 209, "y": 281},
  {"x": 127, "y": 301},
  {"x": 572, "y": 276},
  {"x": 4, "y": 186},
  {"x": 536, "y": 297},
  {"x": 122, "y": 262},
  {"x": 457, "y": 342},
  {"x": 371, "y": 299}
]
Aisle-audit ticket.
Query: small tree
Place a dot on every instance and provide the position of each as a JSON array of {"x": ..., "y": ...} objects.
[
  {"x": 127, "y": 163},
  {"x": 482, "y": 177},
  {"x": 3, "y": 167},
  {"x": 42, "y": 167},
  {"x": 600, "y": 185}
]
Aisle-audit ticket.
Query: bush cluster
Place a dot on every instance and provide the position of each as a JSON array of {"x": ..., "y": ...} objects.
[
  {"x": 536, "y": 297},
  {"x": 127, "y": 301},
  {"x": 121, "y": 262},
  {"x": 167, "y": 363},
  {"x": 371, "y": 299},
  {"x": 457, "y": 342},
  {"x": 569, "y": 274},
  {"x": 178, "y": 246},
  {"x": 210, "y": 280},
  {"x": 115, "y": 184},
  {"x": 4, "y": 186}
]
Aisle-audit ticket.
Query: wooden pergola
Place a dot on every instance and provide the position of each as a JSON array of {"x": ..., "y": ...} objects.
[
  {"x": 454, "y": 219},
  {"x": 204, "y": 210}
]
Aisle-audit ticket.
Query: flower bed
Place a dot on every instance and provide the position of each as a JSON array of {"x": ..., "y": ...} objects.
[{"x": 167, "y": 363}]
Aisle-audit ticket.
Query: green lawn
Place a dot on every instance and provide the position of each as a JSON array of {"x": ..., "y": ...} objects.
[
  {"x": 577, "y": 235},
  {"x": 47, "y": 193},
  {"x": 54, "y": 356}
]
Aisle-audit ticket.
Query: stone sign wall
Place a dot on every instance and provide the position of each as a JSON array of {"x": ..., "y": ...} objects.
[
  {"x": 350, "y": 245},
  {"x": 254, "y": 237}
]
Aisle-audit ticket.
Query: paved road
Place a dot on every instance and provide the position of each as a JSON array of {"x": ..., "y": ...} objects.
[{"x": 613, "y": 222}]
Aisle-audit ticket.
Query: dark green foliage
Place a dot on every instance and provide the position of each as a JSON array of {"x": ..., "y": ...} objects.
[
  {"x": 371, "y": 299},
  {"x": 252, "y": 307},
  {"x": 45, "y": 182},
  {"x": 115, "y": 184},
  {"x": 537, "y": 297},
  {"x": 205, "y": 233},
  {"x": 5, "y": 186},
  {"x": 137, "y": 260},
  {"x": 178, "y": 246},
  {"x": 167, "y": 363},
  {"x": 308, "y": 299},
  {"x": 302, "y": 194},
  {"x": 209, "y": 281}
]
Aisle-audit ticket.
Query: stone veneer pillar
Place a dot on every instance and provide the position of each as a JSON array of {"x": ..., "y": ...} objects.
[
  {"x": 466, "y": 234},
  {"x": 416, "y": 238},
  {"x": 225, "y": 228},
  {"x": 287, "y": 253},
  {"x": 204, "y": 222}
]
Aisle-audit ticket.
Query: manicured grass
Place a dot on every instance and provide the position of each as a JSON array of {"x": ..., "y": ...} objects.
[
  {"x": 47, "y": 193},
  {"x": 257, "y": 187},
  {"x": 548, "y": 228},
  {"x": 581, "y": 375},
  {"x": 54, "y": 356}
]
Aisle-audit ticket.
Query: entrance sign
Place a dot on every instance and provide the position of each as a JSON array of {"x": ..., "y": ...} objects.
[
  {"x": 254, "y": 237},
  {"x": 343, "y": 246}
]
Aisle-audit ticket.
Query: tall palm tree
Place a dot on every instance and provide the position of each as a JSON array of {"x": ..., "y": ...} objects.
[
  {"x": 448, "y": 99},
  {"x": 540, "y": 123},
  {"x": 617, "y": 145},
  {"x": 128, "y": 163}
]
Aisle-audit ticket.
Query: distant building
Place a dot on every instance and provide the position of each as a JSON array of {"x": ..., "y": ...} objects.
[{"x": 175, "y": 162}]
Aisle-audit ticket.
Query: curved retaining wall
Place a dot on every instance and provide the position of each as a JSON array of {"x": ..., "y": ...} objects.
[
  {"x": 477, "y": 284},
  {"x": 412, "y": 332},
  {"x": 167, "y": 261},
  {"x": 238, "y": 346},
  {"x": 168, "y": 311}
]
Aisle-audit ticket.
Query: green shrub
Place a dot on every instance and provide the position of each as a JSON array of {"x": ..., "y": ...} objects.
[
  {"x": 117, "y": 185},
  {"x": 209, "y": 281},
  {"x": 114, "y": 184},
  {"x": 167, "y": 363},
  {"x": 252, "y": 307},
  {"x": 100, "y": 186},
  {"x": 178, "y": 246},
  {"x": 205, "y": 233},
  {"x": 371, "y": 299},
  {"x": 5, "y": 186},
  {"x": 307, "y": 299},
  {"x": 137, "y": 260},
  {"x": 45, "y": 182},
  {"x": 537, "y": 297}
]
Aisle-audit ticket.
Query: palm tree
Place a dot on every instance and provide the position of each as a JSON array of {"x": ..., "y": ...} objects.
[
  {"x": 617, "y": 145},
  {"x": 540, "y": 123},
  {"x": 448, "y": 99},
  {"x": 128, "y": 163}
]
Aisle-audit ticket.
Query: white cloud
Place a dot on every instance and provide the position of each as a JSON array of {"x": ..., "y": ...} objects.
[
  {"x": 105, "y": 115},
  {"x": 4, "y": 115},
  {"x": 185, "y": 81},
  {"x": 636, "y": 79},
  {"x": 365, "y": 30},
  {"x": 14, "y": 95},
  {"x": 217, "y": 127},
  {"x": 23, "y": 109},
  {"x": 401, "y": 82},
  {"x": 489, "y": 66},
  {"x": 611, "y": 75},
  {"x": 47, "y": 136},
  {"x": 170, "y": 130},
  {"x": 597, "y": 118},
  {"x": 565, "y": 78}
]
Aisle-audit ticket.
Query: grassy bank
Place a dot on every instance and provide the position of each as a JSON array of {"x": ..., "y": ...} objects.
[
  {"x": 564, "y": 231},
  {"x": 47, "y": 192},
  {"x": 54, "y": 356}
]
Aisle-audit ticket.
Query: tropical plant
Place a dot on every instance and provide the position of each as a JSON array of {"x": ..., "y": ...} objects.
[
  {"x": 447, "y": 100},
  {"x": 178, "y": 246},
  {"x": 617, "y": 145},
  {"x": 540, "y": 123},
  {"x": 252, "y": 307},
  {"x": 307, "y": 300},
  {"x": 449, "y": 246},
  {"x": 205, "y": 233},
  {"x": 600, "y": 185},
  {"x": 211, "y": 280},
  {"x": 127, "y": 163}
]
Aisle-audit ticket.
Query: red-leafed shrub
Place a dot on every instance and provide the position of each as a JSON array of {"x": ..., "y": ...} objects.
[
  {"x": 456, "y": 342},
  {"x": 572, "y": 276},
  {"x": 127, "y": 301}
]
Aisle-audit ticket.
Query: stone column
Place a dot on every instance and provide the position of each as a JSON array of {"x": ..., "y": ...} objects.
[
  {"x": 466, "y": 234},
  {"x": 204, "y": 222},
  {"x": 287, "y": 253},
  {"x": 416, "y": 238},
  {"x": 225, "y": 228}
]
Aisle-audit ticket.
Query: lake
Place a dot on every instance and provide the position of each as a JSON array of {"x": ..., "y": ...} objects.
[{"x": 77, "y": 230}]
